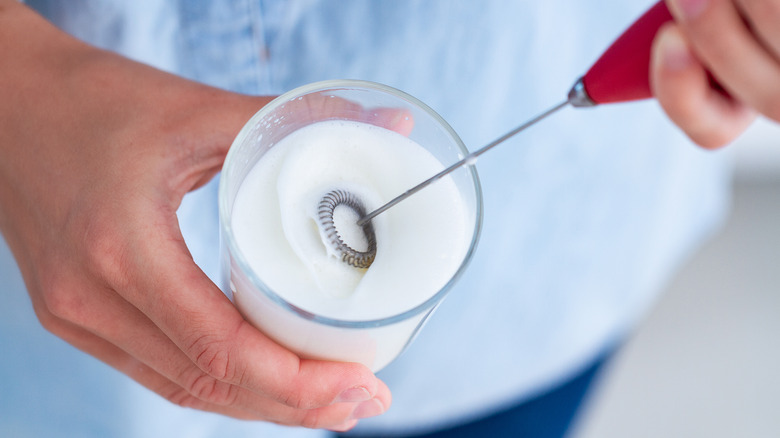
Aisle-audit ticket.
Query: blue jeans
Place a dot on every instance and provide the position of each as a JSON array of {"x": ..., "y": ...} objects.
[{"x": 549, "y": 415}]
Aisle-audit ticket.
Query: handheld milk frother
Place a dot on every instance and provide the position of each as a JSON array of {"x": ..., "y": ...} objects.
[{"x": 621, "y": 74}]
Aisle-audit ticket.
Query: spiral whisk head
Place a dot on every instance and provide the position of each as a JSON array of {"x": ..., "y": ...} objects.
[{"x": 325, "y": 212}]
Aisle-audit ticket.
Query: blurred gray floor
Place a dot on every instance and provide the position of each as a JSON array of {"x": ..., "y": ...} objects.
[{"x": 706, "y": 362}]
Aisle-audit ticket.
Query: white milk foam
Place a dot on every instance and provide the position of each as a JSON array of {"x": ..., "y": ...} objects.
[{"x": 421, "y": 242}]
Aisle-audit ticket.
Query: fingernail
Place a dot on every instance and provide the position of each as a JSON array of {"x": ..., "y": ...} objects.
[
  {"x": 369, "y": 408},
  {"x": 353, "y": 395},
  {"x": 692, "y": 8},
  {"x": 675, "y": 54}
]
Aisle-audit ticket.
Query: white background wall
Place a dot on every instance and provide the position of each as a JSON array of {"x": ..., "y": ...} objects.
[
  {"x": 758, "y": 152},
  {"x": 706, "y": 362}
]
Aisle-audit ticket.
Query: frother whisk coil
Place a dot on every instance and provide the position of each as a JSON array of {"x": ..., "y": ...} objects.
[{"x": 325, "y": 210}]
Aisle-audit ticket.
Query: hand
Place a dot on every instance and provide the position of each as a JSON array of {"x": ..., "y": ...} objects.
[
  {"x": 738, "y": 42},
  {"x": 97, "y": 153}
]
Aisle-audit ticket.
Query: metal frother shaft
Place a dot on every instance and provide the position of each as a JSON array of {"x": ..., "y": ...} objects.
[
  {"x": 466, "y": 160},
  {"x": 621, "y": 74}
]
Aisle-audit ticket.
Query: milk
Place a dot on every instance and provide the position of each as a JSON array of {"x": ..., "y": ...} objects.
[
  {"x": 420, "y": 242},
  {"x": 290, "y": 283}
]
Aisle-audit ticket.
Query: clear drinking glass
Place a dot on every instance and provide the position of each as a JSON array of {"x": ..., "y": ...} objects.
[{"x": 374, "y": 343}]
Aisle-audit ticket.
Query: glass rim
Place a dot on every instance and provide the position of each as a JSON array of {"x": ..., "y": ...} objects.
[{"x": 226, "y": 227}]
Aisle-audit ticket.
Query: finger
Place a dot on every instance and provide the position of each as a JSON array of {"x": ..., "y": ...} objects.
[
  {"x": 103, "y": 324},
  {"x": 726, "y": 46},
  {"x": 117, "y": 358},
  {"x": 345, "y": 427},
  {"x": 683, "y": 88},
  {"x": 318, "y": 107},
  {"x": 394, "y": 119},
  {"x": 203, "y": 323},
  {"x": 763, "y": 17},
  {"x": 149, "y": 357}
]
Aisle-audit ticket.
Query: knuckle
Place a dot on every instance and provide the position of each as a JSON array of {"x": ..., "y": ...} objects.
[
  {"x": 294, "y": 398},
  {"x": 298, "y": 392},
  {"x": 215, "y": 357},
  {"x": 345, "y": 426},
  {"x": 48, "y": 320},
  {"x": 182, "y": 397},
  {"x": 104, "y": 244},
  {"x": 333, "y": 417},
  {"x": 61, "y": 302},
  {"x": 206, "y": 388},
  {"x": 103, "y": 252},
  {"x": 312, "y": 419}
]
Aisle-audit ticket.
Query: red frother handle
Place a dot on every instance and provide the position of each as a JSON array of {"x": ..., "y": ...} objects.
[{"x": 622, "y": 73}]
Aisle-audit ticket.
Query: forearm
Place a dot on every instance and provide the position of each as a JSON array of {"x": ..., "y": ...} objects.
[
  {"x": 36, "y": 59},
  {"x": 65, "y": 103},
  {"x": 36, "y": 56}
]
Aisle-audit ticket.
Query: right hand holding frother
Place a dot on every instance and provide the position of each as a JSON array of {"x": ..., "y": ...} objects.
[
  {"x": 738, "y": 43},
  {"x": 710, "y": 70}
]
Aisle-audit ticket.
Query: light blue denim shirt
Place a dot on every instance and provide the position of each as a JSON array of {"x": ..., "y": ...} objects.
[{"x": 586, "y": 215}]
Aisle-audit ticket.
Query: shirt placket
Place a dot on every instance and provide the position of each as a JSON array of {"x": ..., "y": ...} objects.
[{"x": 223, "y": 44}]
